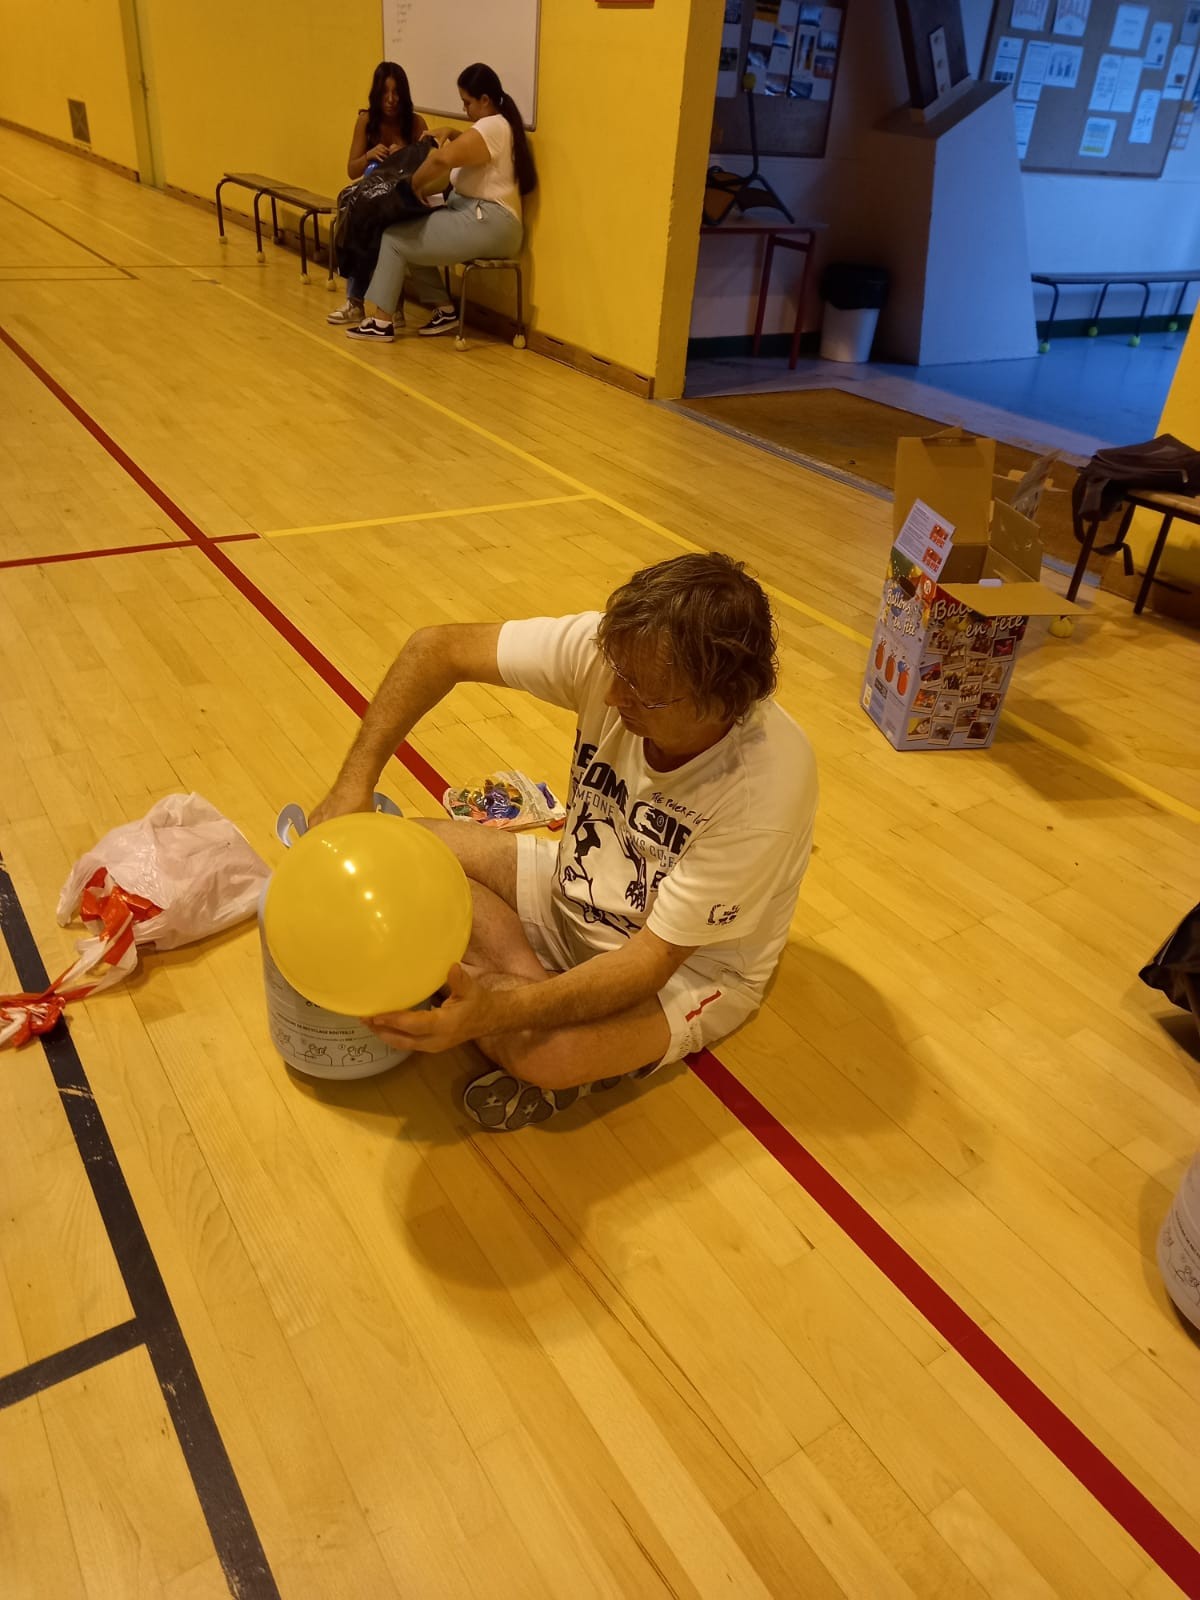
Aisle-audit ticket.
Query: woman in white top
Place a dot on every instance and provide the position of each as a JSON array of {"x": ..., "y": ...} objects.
[{"x": 490, "y": 167}]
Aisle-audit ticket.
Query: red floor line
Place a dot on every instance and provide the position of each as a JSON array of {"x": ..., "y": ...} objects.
[
  {"x": 120, "y": 550},
  {"x": 1102, "y": 1478}
]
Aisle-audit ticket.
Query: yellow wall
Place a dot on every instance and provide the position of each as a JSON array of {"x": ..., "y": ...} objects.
[
  {"x": 1181, "y": 416},
  {"x": 273, "y": 86},
  {"x": 71, "y": 50},
  {"x": 616, "y": 178}
]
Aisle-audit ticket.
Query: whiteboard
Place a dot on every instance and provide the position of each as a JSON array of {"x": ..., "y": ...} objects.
[{"x": 433, "y": 40}]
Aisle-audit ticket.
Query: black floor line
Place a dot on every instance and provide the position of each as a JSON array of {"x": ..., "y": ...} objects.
[{"x": 234, "y": 1535}]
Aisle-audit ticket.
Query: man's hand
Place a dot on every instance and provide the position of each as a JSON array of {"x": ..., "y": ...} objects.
[
  {"x": 469, "y": 1012},
  {"x": 340, "y": 801}
]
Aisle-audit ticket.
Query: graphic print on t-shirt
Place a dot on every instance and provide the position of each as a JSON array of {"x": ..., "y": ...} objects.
[{"x": 648, "y": 838}]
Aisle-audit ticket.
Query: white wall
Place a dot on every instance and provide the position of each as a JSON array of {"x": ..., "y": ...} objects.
[{"x": 1075, "y": 224}]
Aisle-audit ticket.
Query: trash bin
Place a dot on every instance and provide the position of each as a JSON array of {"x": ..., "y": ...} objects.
[{"x": 853, "y": 296}]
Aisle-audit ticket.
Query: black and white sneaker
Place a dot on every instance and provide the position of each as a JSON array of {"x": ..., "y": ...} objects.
[
  {"x": 440, "y": 322},
  {"x": 501, "y": 1103},
  {"x": 372, "y": 328}
]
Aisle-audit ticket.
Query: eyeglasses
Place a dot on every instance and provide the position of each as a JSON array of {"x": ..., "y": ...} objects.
[{"x": 646, "y": 705}]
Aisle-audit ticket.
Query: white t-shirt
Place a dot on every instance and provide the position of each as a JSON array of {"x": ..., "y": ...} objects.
[
  {"x": 495, "y": 179},
  {"x": 709, "y": 854}
]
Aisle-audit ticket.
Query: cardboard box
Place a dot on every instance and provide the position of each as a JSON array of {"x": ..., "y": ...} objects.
[{"x": 962, "y": 583}]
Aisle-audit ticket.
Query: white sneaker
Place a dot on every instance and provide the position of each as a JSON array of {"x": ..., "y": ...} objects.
[{"x": 348, "y": 315}]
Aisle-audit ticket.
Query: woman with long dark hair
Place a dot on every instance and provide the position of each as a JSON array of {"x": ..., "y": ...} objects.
[
  {"x": 388, "y": 123},
  {"x": 490, "y": 169}
]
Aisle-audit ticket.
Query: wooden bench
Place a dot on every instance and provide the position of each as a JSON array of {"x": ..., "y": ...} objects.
[
  {"x": 309, "y": 205},
  {"x": 1104, "y": 281}
]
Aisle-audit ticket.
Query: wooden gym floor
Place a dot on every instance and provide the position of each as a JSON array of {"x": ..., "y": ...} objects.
[{"x": 868, "y": 1307}]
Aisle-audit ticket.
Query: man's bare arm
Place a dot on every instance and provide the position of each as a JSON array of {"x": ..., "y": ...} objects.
[
  {"x": 427, "y": 668},
  {"x": 595, "y": 989}
]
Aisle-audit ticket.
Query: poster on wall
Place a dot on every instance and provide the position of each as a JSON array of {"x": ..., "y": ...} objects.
[
  {"x": 1097, "y": 137},
  {"x": 1030, "y": 15},
  {"x": 1071, "y": 18},
  {"x": 1062, "y": 69},
  {"x": 1142, "y": 130},
  {"x": 1178, "y": 71},
  {"x": 1008, "y": 60},
  {"x": 1128, "y": 27},
  {"x": 940, "y": 59},
  {"x": 1160, "y": 43},
  {"x": 1108, "y": 75},
  {"x": 1024, "y": 118},
  {"x": 1033, "y": 73},
  {"x": 1128, "y": 79}
]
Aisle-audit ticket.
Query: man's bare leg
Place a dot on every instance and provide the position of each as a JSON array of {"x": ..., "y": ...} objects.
[{"x": 501, "y": 956}]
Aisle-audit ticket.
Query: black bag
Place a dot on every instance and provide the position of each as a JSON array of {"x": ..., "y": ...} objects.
[
  {"x": 1176, "y": 968},
  {"x": 1164, "y": 465},
  {"x": 378, "y": 201}
]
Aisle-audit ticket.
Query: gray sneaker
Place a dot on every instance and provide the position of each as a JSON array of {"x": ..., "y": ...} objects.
[
  {"x": 347, "y": 316},
  {"x": 501, "y": 1103}
]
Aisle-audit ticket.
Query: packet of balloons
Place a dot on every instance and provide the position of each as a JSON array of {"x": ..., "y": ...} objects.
[
  {"x": 506, "y": 800},
  {"x": 180, "y": 874}
]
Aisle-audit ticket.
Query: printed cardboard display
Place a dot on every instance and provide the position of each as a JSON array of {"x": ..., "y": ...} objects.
[{"x": 962, "y": 583}]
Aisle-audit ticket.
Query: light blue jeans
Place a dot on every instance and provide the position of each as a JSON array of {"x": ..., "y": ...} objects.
[{"x": 461, "y": 230}]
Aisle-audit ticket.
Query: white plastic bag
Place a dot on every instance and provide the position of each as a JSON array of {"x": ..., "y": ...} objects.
[
  {"x": 195, "y": 867},
  {"x": 181, "y": 873}
]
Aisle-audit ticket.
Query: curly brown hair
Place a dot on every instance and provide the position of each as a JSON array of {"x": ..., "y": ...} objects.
[{"x": 707, "y": 620}]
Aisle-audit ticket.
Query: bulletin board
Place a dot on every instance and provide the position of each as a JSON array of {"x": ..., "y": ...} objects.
[
  {"x": 793, "y": 48},
  {"x": 1097, "y": 84}
]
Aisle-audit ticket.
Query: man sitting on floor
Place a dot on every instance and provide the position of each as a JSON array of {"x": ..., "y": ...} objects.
[{"x": 651, "y": 927}]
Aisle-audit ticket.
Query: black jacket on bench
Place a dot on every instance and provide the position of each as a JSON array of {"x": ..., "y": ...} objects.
[{"x": 1165, "y": 465}]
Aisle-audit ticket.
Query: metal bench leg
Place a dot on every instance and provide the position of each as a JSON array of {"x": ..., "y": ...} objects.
[
  {"x": 1159, "y": 546},
  {"x": 519, "y": 340},
  {"x": 460, "y": 342},
  {"x": 221, "y": 217},
  {"x": 1136, "y": 337},
  {"x": 1044, "y": 342},
  {"x": 258, "y": 194},
  {"x": 304, "y": 216},
  {"x": 1095, "y": 327},
  {"x": 276, "y": 236},
  {"x": 1173, "y": 320}
]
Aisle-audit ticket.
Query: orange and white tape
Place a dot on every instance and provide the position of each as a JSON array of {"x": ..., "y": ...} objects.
[{"x": 103, "y": 960}]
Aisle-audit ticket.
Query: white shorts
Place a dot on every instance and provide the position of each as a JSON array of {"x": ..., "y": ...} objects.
[{"x": 698, "y": 1011}]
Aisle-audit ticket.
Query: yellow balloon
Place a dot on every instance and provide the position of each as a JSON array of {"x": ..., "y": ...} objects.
[{"x": 367, "y": 913}]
